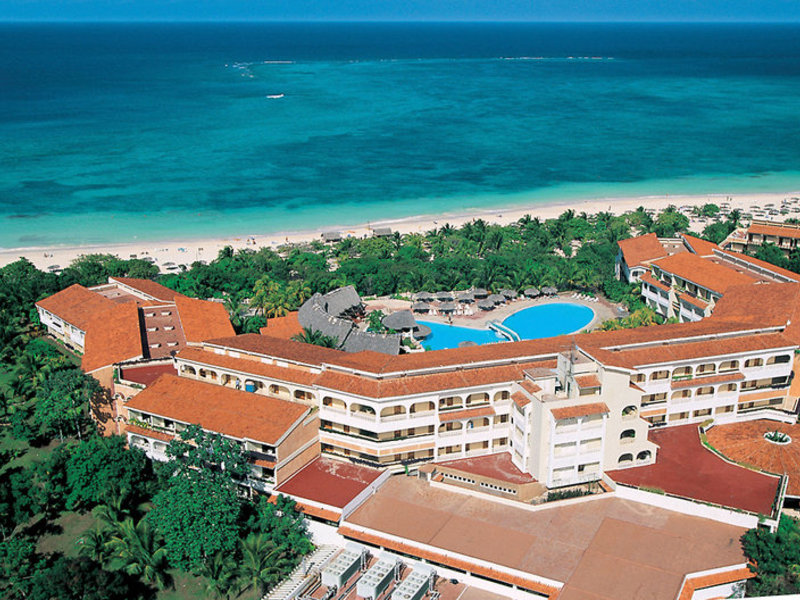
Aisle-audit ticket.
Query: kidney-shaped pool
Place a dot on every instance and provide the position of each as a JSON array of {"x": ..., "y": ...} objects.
[{"x": 540, "y": 321}]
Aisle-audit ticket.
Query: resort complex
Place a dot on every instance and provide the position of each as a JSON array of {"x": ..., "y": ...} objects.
[{"x": 597, "y": 464}]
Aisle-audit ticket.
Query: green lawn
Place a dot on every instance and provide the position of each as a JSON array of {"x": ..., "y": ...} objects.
[
  {"x": 187, "y": 587},
  {"x": 29, "y": 454},
  {"x": 72, "y": 526}
]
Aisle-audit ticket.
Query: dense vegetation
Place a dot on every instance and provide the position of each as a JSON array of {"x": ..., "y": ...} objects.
[{"x": 775, "y": 558}]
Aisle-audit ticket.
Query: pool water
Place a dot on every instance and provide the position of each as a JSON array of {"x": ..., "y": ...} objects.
[{"x": 543, "y": 320}]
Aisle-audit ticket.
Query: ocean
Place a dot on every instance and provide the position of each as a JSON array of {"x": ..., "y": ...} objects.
[{"x": 123, "y": 132}]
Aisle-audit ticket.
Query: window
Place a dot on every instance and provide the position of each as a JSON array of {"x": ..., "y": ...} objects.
[
  {"x": 628, "y": 434},
  {"x": 778, "y": 360},
  {"x": 657, "y": 375},
  {"x": 702, "y": 413},
  {"x": 728, "y": 365},
  {"x": 629, "y": 412},
  {"x": 625, "y": 459},
  {"x": 753, "y": 362},
  {"x": 643, "y": 456}
]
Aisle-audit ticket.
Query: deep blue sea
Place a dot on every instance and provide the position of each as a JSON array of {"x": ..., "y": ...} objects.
[{"x": 113, "y": 132}]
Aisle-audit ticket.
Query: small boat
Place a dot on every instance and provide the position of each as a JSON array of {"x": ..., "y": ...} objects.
[{"x": 275, "y": 96}]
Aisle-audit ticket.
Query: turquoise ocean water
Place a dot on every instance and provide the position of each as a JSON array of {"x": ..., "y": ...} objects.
[{"x": 123, "y": 132}]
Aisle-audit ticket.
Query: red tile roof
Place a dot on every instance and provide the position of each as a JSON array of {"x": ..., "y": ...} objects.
[
  {"x": 112, "y": 336},
  {"x": 698, "y": 246},
  {"x": 529, "y": 386},
  {"x": 587, "y": 381},
  {"x": 468, "y": 413},
  {"x": 703, "y": 272},
  {"x": 699, "y": 582},
  {"x": 709, "y": 380},
  {"x": 581, "y": 410},
  {"x": 76, "y": 305},
  {"x": 298, "y": 375},
  {"x": 641, "y": 249},
  {"x": 202, "y": 320},
  {"x": 494, "y": 466},
  {"x": 650, "y": 280},
  {"x": 282, "y": 327},
  {"x": 222, "y": 410},
  {"x": 329, "y": 481},
  {"x": 149, "y": 288},
  {"x": 686, "y": 468},
  {"x": 143, "y": 431},
  {"x": 520, "y": 399},
  {"x": 774, "y": 229},
  {"x": 694, "y": 301},
  {"x": 762, "y": 264},
  {"x": 146, "y": 374}
]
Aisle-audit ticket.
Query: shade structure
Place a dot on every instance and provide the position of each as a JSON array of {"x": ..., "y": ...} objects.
[
  {"x": 444, "y": 296},
  {"x": 496, "y": 298},
  {"x": 532, "y": 292},
  {"x": 400, "y": 320},
  {"x": 465, "y": 297},
  {"x": 421, "y": 331},
  {"x": 486, "y": 304},
  {"x": 508, "y": 294},
  {"x": 447, "y": 307},
  {"x": 466, "y": 344},
  {"x": 480, "y": 293},
  {"x": 423, "y": 297},
  {"x": 420, "y": 307},
  {"x": 549, "y": 290}
]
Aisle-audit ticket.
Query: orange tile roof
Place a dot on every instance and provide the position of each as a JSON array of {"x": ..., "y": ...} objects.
[
  {"x": 708, "y": 380},
  {"x": 265, "y": 464},
  {"x": 774, "y": 229},
  {"x": 758, "y": 263},
  {"x": 202, "y": 320},
  {"x": 641, "y": 249},
  {"x": 112, "y": 336},
  {"x": 319, "y": 513},
  {"x": 143, "y": 431},
  {"x": 703, "y": 272},
  {"x": 581, "y": 410},
  {"x": 694, "y": 301},
  {"x": 520, "y": 399},
  {"x": 587, "y": 381},
  {"x": 282, "y": 327},
  {"x": 650, "y": 280},
  {"x": 467, "y": 413},
  {"x": 298, "y": 375},
  {"x": 693, "y": 584},
  {"x": 222, "y": 410},
  {"x": 149, "y": 288},
  {"x": 76, "y": 305},
  {"x": 529, "y": 386},
  {"x": 699, "y": 246}
]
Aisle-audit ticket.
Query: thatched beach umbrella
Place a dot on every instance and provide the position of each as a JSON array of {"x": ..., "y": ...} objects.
[
  {"x": 486, "y": 304},
  {"x": 444, "y": 296},
  {"x": 421, "y": 331},
  {"x": 496, "y": 299},
  {"x": 400, "y": 320},
  {"x": 447, "y": 307},
  {"x": 532, "y": 292},
  {"x": 508, "y": 294},
  {"x": 422, "y": 307},
  {"x": 423, "y": 297},
  {"x": 465, "y": 297},
  {"x": 480, "y": 293},
  {"x": 549, "y": 290}
]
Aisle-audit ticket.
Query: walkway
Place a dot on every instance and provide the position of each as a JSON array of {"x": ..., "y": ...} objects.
[
  {"x": 685, "y": 468},
  {"x": 745, "y": 443}
]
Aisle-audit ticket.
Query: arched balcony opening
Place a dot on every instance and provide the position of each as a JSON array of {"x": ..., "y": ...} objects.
[
  {"x": 477, "y": 398},
  {"x": 208, "y": 374},
  {"x": 630, "y": 412},
  {"x": 728, "y": 365},
  {"x": 334, "y": 403},
  {"x": 728, "y": 388},
  {"x": 451, "y": 402},
  {"x": 625, "y": 459},
  {"x": 478, "y": 423},
  {"x": 751, "y": 363},
  {"x": 303, "y": 396},
  {"x": 659, "y": 375},
  {"x": 280, "y": 391},
  {"x": 706, "y": 369},
  {"x": 188, "y": 370},
  {"x": 705, "y": 391},
  {"x": 502, "y": 395},
  {"x": 451, "y": 426},
  {"x": 627, "y": 436},
  {"x": 422, "y": 407},
  {"x": 779, "y": 360},
  {"x": 682, "y": 373},
  {"x": 362, "y": 411},
  {"x": 681, "y": 395},
  {"x": 643, "y": 456},
  {"x": 251, "y": 385},
  {"x": 393, "y": 411}
]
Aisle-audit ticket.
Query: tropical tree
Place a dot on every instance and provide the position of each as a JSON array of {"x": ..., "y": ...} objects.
[
  {"x": 222, "y": 576},
  {"x": 263, "y": 290},
  {"x": 92, "y": 544},
  {"x": 137, "y": 550},
  {"x": 316, "y": 337},
  {"x": 263, "y": 562}
]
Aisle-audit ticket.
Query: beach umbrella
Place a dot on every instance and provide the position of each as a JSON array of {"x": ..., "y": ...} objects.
[
  {"x": 550, "y": 290},
  {"x": 480, "y": 293},
  {"x": 467, "y": 344},
  {"x": 486, "y": 304},
  {"x": 496, "y": 299},
  {"x": 447, "y": 307},
  {"x": 421, "y": 331},
  {"x": 420, "y": 307},
  {"x": 465, "y": 297},
  {"x": 508, "y": 294},
  {"x": 444, "y": 296},
  {"x": 423, "y": 296},
  {"x": 532, "y": 292}
]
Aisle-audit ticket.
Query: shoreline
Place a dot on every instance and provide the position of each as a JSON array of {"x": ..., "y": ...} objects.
[{"x": 187, "y": 251}]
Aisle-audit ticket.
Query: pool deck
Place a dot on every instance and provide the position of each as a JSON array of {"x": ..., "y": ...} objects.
[{"x": 603, "y": 310}]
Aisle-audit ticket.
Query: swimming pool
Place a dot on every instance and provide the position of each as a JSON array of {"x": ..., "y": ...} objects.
[{"x": 542, "y": 320}]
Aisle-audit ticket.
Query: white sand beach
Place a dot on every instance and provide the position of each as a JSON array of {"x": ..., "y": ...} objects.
[{"x": 171, "y": 254}]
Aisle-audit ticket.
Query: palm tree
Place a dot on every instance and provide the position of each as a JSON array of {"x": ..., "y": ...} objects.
[
  {"x": 29, "y": 372},
  {"x": 298, "y": 291},
  {"x": 279, "y": 304},
  {"x": 93, "y": 544},
  {"x": 316, "y": 337},
  {"x": 222, "y": 575},
  {"x": 263, "y": 563},
  {"x": 136, "y": 549},
  {"x": 263, "y": 290}
]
